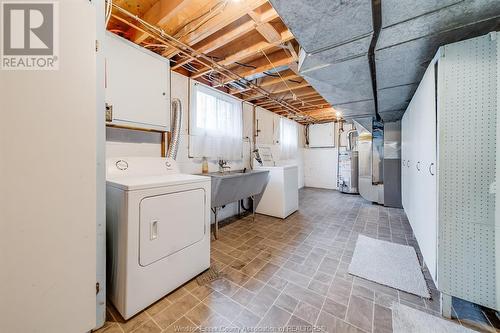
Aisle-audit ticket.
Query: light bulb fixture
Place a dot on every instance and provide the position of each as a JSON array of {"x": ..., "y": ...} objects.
[{"x": 338, "y": 114}]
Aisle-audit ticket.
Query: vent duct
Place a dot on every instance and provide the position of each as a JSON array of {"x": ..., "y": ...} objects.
[
  {"x": 340, "y": 60},
  {"x": 173, "y": 146}
]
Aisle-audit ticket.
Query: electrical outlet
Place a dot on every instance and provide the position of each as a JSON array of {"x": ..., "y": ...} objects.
[{"x": 109, "y": 112}]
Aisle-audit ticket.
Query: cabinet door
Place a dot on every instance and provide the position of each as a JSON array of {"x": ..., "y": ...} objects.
[
  {"x": 322, "y": 135},
  {"x": 264, "y": 126},
  {"x": 137, "y": 84},
  {"x": 421, "y": 208},
  {"x": 404, "y": 148},
  {"x": 409, "y": 164},
  {"x": 427, "y": 178}
]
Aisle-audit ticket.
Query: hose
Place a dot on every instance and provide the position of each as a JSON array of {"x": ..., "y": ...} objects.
[{"x": 173, "y": 146}]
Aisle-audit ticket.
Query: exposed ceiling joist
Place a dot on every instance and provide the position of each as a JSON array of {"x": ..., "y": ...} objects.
[
  {"x": 278, "y": 58},
  {"x": 245, "y": 52},
  {"x": 161, "y": 12},
  {"x": 228, "y": 34},
  {"x": 242, "y": 43},
  {"x": 270, "y": 81},
  {"x": 281, "y": 88},
  {"x": 233, "y": 11},
  {"x": 265, "y": 29}
]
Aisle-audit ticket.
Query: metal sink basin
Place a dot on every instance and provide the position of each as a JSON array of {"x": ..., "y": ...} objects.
[
  {"x": 236, "y": 185},
  {"x": 232, "y": 186}
]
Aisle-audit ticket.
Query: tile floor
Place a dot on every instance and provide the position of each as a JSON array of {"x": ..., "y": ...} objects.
[{"x": 290, "y": 273}]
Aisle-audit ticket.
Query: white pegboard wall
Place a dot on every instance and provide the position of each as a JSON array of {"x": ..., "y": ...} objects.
[{"x": 467, "y": 139}]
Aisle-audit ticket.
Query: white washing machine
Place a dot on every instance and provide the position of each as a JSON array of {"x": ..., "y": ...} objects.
[
  {"x": 158, "y": 230},
  {"x": 281, "y": 196}
]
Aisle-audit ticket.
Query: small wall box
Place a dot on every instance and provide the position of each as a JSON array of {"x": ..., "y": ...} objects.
[{"x": 137, "y": 85}]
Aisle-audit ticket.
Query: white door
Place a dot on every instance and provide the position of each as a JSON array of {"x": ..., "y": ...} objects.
[
  {"x": 170, "y": 223},
  {"x": 404, "y": 153},
  {"x": 48, "y": 199},
  {"x": 428, "y": 190},
  {"x": 421, "y": 208}
]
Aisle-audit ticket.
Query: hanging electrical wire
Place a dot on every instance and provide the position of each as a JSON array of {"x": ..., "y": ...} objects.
[
  {"x": 108, "y": 10},
  {"x": 226, "y": 74},
  {"x": 294, "y": 96},
  {"x": 215, "y": 10}
]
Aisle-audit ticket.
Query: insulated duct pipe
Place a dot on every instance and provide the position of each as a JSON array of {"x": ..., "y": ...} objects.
[
  {"x": 173, "y": 145},
  {"x": 350, "y": 134}
]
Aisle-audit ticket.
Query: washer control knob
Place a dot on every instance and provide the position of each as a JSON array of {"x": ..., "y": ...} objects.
[{"x": 122, "y": 165}]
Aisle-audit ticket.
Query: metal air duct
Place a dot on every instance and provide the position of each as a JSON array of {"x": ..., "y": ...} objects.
[{"x": 173, "y": 145}]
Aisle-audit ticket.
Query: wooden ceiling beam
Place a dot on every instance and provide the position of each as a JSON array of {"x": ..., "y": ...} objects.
[
  {"x": 316, "y": 112},
  {"x": 278, "y": 58},
  {"x": 227, "y": 35},
  {"x": 299, "y": 94},
  {"x": 288, "y": 87},
  {"x": 161, "y": 12},
  {"x": 269, "y": 81},
  {"x": 318, "y": 100},
  {"x": 232, "y": 12},
  {"x": 314, "y": 107},
  {"x": 265, "y": 29},
  {"x": 246, "y": 52}
]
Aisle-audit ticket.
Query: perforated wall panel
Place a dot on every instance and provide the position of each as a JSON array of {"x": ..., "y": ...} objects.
[{"x": 467, "y": 139}]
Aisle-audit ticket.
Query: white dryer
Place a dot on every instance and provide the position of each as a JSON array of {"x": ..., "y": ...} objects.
[
  {"x": 281, "y": 196},
  {"x": 158, "y": 230}
]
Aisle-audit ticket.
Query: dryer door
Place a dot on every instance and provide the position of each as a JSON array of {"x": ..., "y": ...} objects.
[{"x": 170, "y": 223}]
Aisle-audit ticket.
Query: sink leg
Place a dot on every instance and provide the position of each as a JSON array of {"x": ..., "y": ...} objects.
[
  {"x": 216, "y": 224},
  {"x": 253, "y": 207},
  {"x": 239, "y": 208}
]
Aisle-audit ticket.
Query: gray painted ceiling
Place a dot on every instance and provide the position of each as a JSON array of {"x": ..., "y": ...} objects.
[{"x": 336, "y": 34}]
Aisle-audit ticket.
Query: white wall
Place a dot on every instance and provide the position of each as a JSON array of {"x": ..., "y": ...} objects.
[
  {"x": 321, "y": 164},
  {"x": 320, "y": 167},
  {"x": 134, "y": 143}
]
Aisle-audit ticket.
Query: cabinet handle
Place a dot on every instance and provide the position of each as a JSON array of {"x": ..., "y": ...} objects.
[
  {"x": 418, "y": 165},
  {"x": 403, "y": 162},
  {"x": 408, "y": 164},
  {"x": 430, "y": 169}
]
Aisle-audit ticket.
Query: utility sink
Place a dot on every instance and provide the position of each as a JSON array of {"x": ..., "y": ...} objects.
[{"x": 236, "y": 185}]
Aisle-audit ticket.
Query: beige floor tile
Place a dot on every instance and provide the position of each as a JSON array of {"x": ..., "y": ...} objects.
[
  {"x": 287, "y": 302},
  {"x": 180, "y": 325},
  {"x": 175, "y": 311},
  {"x": 110, "y": 327},
  {"x": 360, "y": 313},
  {"x": 243, "y": 296},
  {"x": 148, "y": 327},
  {"x": 307, "y": 312},
  {"x": 272, "y": 268},
  {"x": 133, "y": 323},
  {"x": 275, "y": 318},
  {"x": 223, "y": 305}
]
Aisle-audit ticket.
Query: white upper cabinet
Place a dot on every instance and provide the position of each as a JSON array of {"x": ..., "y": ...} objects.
[
  {"x": 322, "y": 135},
  {"x": 137, "y": 85},
  {"x": 265, "y": 127}
]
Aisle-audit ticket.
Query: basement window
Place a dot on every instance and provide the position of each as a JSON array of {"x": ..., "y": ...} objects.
[{"x": 215, "y": 124}]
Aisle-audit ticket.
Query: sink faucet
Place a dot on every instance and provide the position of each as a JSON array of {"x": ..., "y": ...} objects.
[{"x": 223, "y": 165}]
